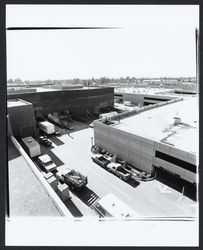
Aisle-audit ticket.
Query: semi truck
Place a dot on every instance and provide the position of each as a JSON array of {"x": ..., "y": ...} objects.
[
  {"x": 72, "y": 178},
  {"x": 31, "y": 147},
  {"x": 110, "y": 206},
  {"x": 117, "y": 169},
  {"x": 47, "y": 127},
  {"x": 46, "y": 162}
]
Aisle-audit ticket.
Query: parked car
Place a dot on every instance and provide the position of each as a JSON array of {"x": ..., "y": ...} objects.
[
  {"x": 45, "y": 141},
  {"x": 46, "y": 162}
]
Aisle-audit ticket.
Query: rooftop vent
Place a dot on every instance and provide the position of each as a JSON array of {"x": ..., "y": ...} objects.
[{"x": 177, "y": 120}]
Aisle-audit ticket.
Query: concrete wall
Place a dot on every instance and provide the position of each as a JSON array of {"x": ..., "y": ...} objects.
[
  {"x": 137, "y": 150},
  {"x": 179, "y": 154},
  {"x": 76, "y": 101},
  {"x": 140, "y": 98},
  {"x": 140, "y": 152}
]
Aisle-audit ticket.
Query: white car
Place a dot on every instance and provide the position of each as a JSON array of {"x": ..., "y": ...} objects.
[{"x": 46, "y": 162}]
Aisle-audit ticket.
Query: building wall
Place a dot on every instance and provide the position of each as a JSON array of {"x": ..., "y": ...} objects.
[
  {"x": 141, "y": 98},
  {"x": 75, "y": 101},
  {"x": 140, "y": 151},
  {"x": 22, "y": 117},
  {"x": 137, "y": 150},
  {"x": 178, "y": 154}
]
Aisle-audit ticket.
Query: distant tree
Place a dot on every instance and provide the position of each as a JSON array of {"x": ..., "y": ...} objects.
[{"x": 10, "y": 80}]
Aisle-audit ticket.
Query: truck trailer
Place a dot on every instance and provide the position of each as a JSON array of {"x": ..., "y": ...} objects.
[
  {"x": 47, "y": 127},
  {"x": 31, "y": 146},
  {"x": 111, "y": 206}
]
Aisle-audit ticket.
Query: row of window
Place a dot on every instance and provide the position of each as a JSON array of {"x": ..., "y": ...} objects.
[
  {"x": 183, "y": 164},
  {"x": 156, "y": 99}
]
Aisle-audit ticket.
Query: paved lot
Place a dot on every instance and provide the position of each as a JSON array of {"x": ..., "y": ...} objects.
[{"x": 148, "y": 198}]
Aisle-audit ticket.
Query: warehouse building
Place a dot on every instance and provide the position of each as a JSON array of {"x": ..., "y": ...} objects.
[
  {"x": 79, "y": 102},
  {"x": 163, "y": 139},
  {"x": 143, "y": 97},
  {"x": 20, "y": 120}
]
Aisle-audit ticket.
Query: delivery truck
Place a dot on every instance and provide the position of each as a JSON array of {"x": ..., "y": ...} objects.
[
  {"x": 31, "y": 146},
  {"x": 47, "y": 127},
  {"x": 72, "y": 178},
  {"x": 111, "y": 206}
]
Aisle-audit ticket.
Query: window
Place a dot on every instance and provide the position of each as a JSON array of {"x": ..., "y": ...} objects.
[{"x": 183, "y": 164}]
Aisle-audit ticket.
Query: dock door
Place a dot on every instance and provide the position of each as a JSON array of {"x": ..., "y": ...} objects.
[{"x": 176, "y": 182}]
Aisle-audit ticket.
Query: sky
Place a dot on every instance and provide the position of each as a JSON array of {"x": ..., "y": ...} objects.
[{"x": 151, "y": 41}]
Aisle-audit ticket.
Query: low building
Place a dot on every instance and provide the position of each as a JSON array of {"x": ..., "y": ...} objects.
[
  {"x": 161, "y": 139},
  {"x": 21, "y": 119},
  {"x": 79, "y": 102}
]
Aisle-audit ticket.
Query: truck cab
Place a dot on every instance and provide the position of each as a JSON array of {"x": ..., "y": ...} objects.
[{"x": 46, "y": 162}]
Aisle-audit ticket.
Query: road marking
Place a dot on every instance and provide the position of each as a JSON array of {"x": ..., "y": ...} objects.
[{"x": 164, "y": 189}]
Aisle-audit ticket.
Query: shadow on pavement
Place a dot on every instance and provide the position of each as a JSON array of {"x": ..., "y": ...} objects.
[
  {"x": 178, "y": 184},
  {"x": 133, "y": 183},
  {"x": 86, "y": 195},
  {"x": 72, "y": 208},
  {"x": 12, "y": 151}
]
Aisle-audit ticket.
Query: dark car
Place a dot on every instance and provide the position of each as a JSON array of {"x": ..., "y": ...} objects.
[
  {"x": 45, "y": 141},
  {"x": 57, "y": 132}
]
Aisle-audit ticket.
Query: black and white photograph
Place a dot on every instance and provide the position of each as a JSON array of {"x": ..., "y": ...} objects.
[{"x": 102, "y": 125}]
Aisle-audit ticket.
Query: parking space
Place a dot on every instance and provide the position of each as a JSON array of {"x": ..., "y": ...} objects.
[
  {"x": 161, "y": 199},
  {"x": 74, "y": 153}
]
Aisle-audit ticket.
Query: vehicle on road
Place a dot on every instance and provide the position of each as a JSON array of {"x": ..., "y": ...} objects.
[
  {"x": 46, "y": 162},
  {"x": 72, "y": 178},
  {"x": 110, "y": 206},
  {"x": 100, "y": 160},
  {"x": 45, "y": 141},
  {"x": 117, "y": 169}
]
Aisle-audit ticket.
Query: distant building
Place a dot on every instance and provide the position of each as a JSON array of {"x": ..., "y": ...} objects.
[{"x": 79, "y": 102}]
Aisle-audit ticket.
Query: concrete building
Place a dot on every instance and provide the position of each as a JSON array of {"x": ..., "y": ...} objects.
[
  {"x": 146, "y": 96},
  {"x": 143, "y": 96},
  {"x": 20, "y": 119},
  {"x": 161, "y": 139},
  {"x": 78, "y": 102}
]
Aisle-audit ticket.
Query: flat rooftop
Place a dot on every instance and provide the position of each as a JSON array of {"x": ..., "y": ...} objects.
[
  {"x": 16, "y": 103},
  {"x": 27, "y": 197},
  {"x": 142, "y": 90},
  {"x": 158, "y": 124},
  {"x": 52, "y": 89}
]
